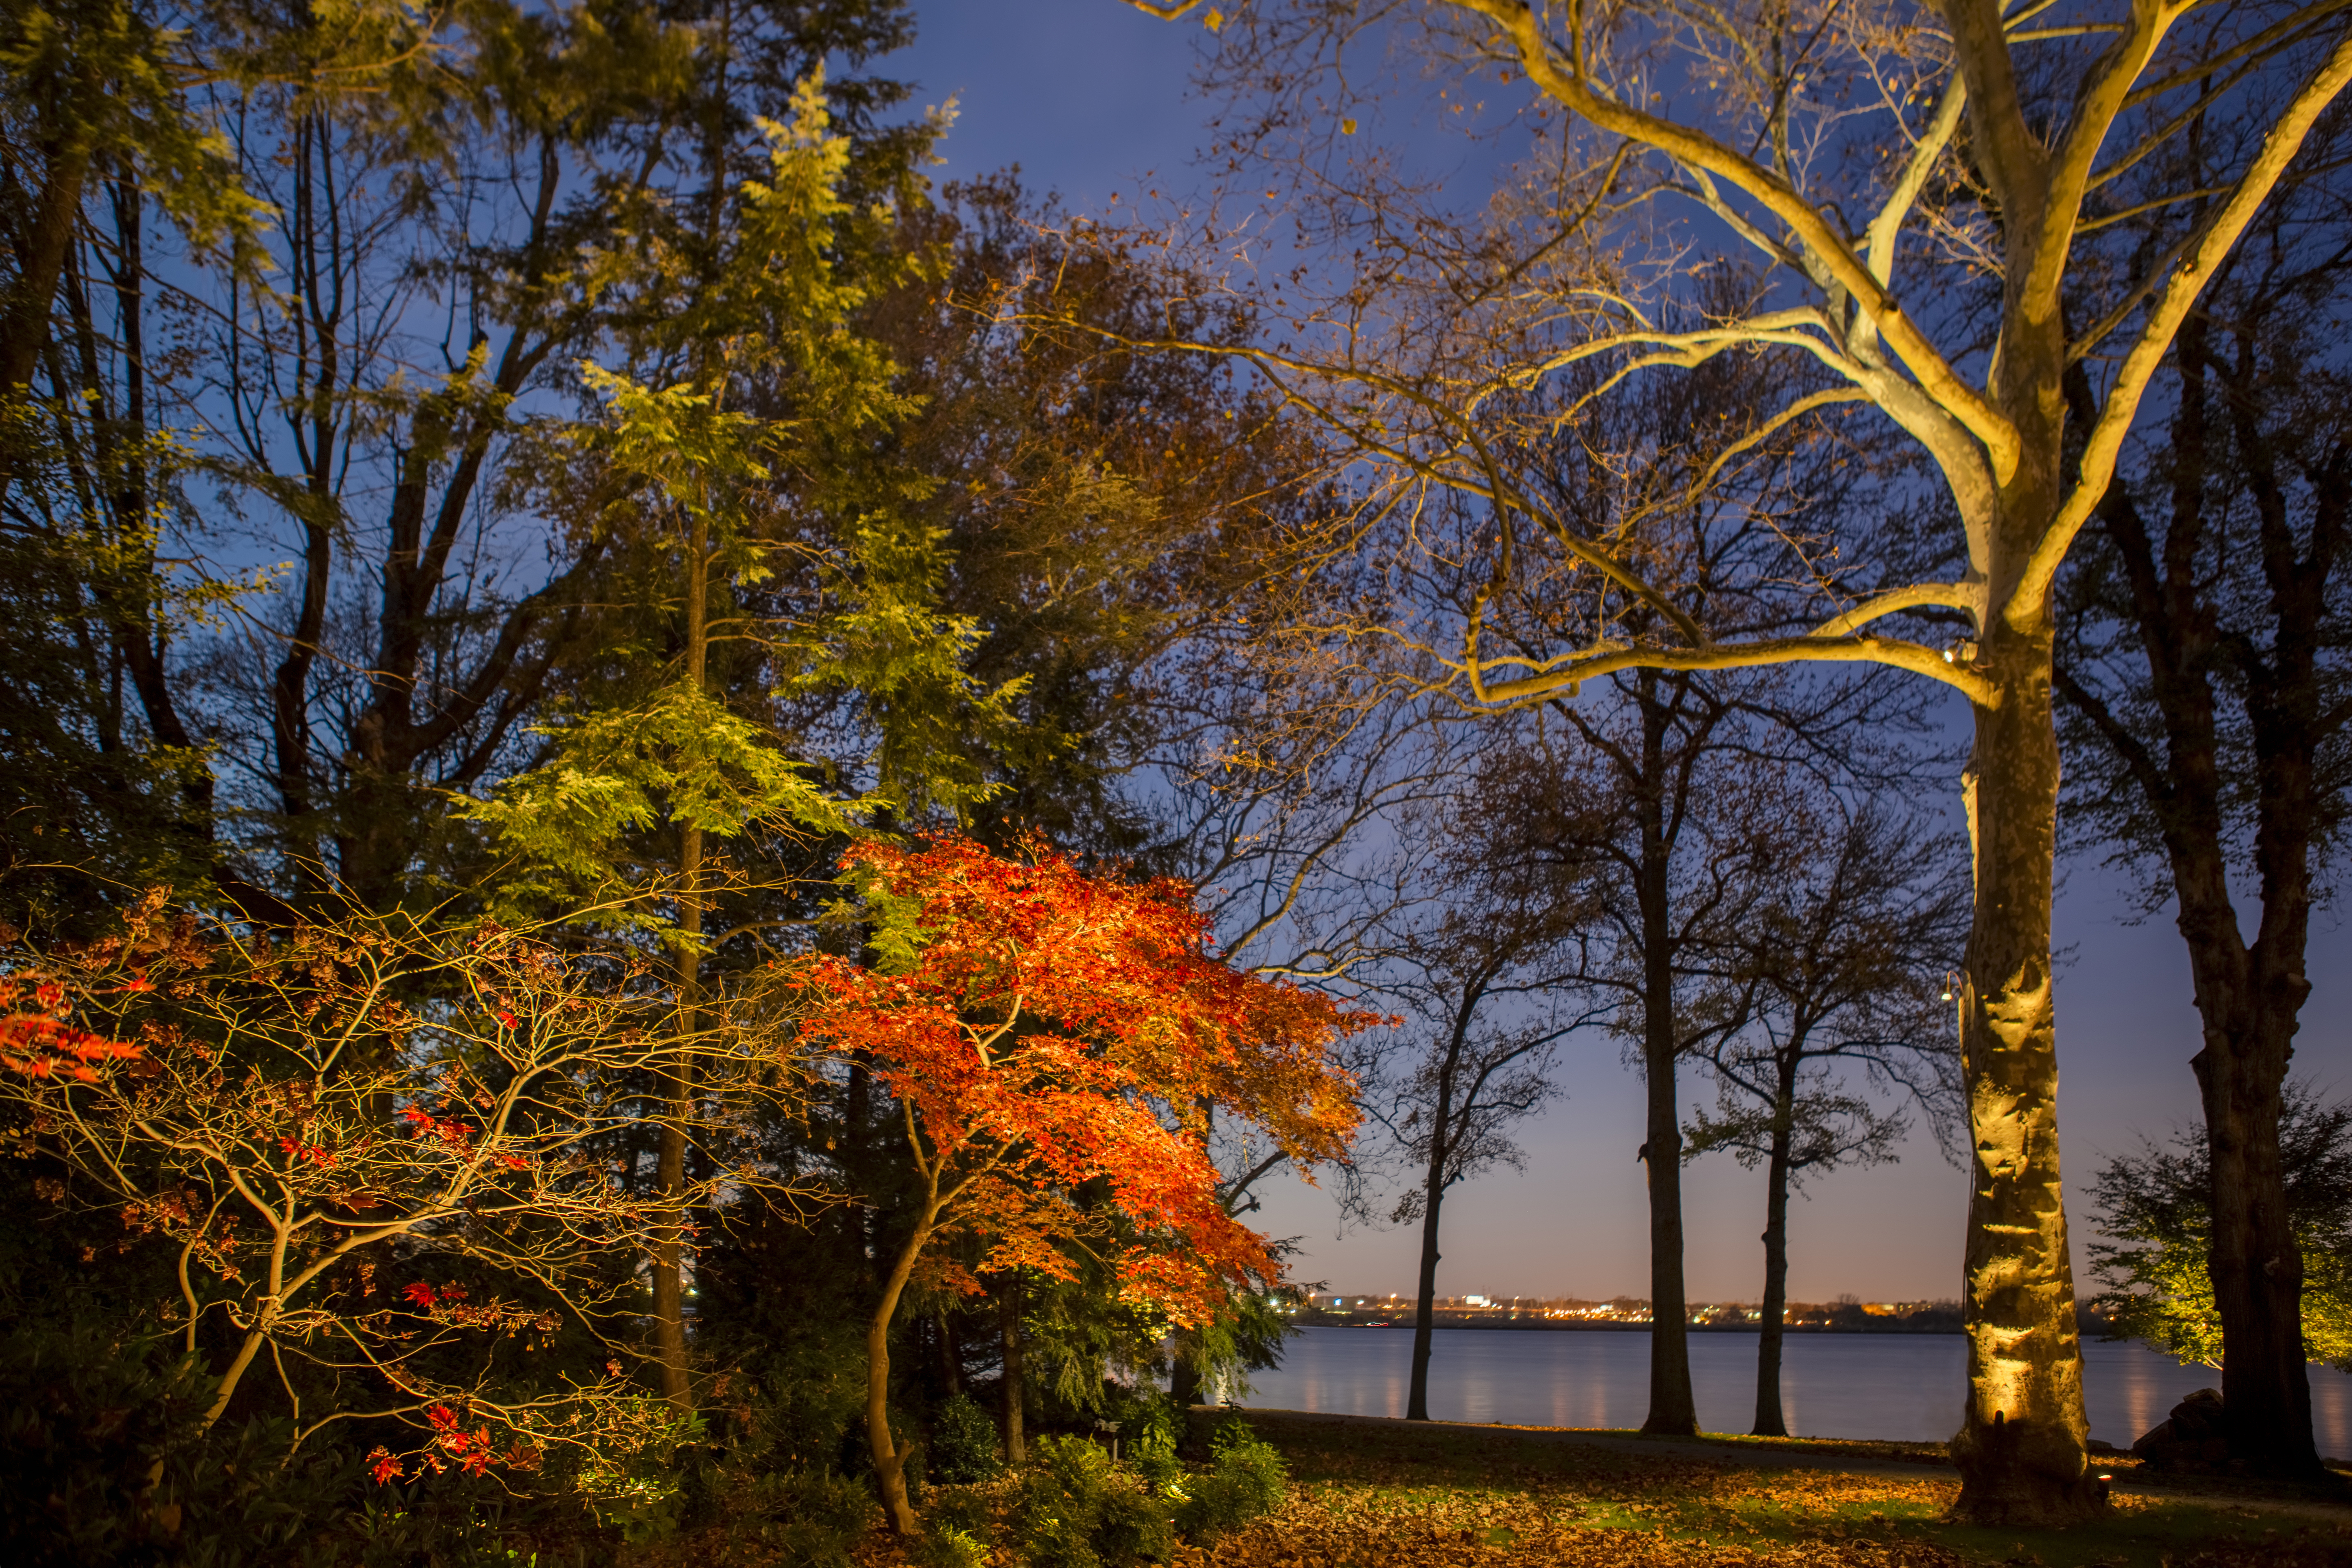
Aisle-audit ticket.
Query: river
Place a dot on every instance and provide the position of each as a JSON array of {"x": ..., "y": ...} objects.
[{"x": 1901, "y": 1386}]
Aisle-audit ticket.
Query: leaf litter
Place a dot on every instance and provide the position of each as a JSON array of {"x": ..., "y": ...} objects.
[{"x": 1379, "y": 1496}]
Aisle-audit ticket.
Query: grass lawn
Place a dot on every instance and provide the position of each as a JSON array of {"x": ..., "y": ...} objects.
[{"x": 1386, "y": 1495}]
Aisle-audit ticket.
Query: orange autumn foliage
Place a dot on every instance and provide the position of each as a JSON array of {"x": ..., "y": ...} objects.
[
  {"x": 38, "y": 1041},
  {"x": 1057, "y": 1030},
  {"x": 40, "y": 1000},
  {"x": 1056, "y": 1044}
]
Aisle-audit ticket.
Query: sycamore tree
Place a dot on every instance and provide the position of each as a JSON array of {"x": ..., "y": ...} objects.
[
  {"x": 1926, "y": 200},
  {"x": 1053, "y": 1043}
]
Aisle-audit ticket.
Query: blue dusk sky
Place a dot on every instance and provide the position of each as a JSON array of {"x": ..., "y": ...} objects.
[{"x": 1089, "y": 97}]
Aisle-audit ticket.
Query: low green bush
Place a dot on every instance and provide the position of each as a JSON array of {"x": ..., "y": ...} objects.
[
  {"x": 1157, "y": 1465},
  {"x": 86, "y": 1420},
  {"x": 1076, "y": 1510},
  {"x": 1152, "y": 1427},
  {"x": 809, "y": 1519},
  {"x": 1246, "y": 1479},
  {"x": 964, "y": 1508},
  {"x": 1145, "y": 1417},
  {"x": 963, "y": 1444},
  {"x": 945, "y": 1546}
]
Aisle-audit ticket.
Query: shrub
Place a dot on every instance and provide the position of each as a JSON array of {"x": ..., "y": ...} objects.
[
  {"x": 206, "y": 1102},
  {"x": 964, "y": 1509},
  {"x": 948, "y": 1547},
  {"x": 1145, "y": 1417},
  {"x": 810, "y": 1518},
  {"x": 2155, "y": 1204},
  {"x": 1158, "y": 1466},
  {"x": 1152, "y": 1425},
  {"x": 1246, "y": 1479},
  {"x": 86, "y": 1419},
  {"x": 963, "y": 1444},
  {"x": 81, "y": 1422},
  {"x": 1075, "y": 1510}
]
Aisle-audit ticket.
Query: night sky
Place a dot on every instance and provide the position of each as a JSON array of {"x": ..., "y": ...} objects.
[{"x": 1089, "y": 96}]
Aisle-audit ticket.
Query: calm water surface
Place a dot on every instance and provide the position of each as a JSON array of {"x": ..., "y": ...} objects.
[{"x": 1903, "y": 1387}]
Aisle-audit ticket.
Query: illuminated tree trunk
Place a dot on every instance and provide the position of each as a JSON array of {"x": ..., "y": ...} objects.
[
  {"x": 25, "y": 326},
  {"x": 2021, "y": 1448},
  {"x": 67, "y": 145}
]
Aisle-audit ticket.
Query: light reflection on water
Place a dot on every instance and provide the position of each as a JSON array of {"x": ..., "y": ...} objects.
[{"x": 1902, "y": 1386}]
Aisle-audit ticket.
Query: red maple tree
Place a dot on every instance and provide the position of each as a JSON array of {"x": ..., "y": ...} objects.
[
  {"x": 305, "y": 1148},
  {"x": 1044, "y": 1030}
]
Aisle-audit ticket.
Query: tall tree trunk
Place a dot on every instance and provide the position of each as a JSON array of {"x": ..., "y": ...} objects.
[
  {"x": 41, "y": 248},
  {"x": 290, "y": 690},
  {"x": 951, "y": 1364},
  {"x": 2020, "y": 1449},
  {"x": 319, "y": 393},
  {"x": 1184, "y": 1369},
  {"x": 2249, "y": 1001},
  {"x": 1185, "y": 1345},
  {"x": 1014, "y": 1390},
  {"x": 2255, "y": 1262},
  {"x": 1673, "y": 1408},
  {"x": 2249, "y": 997},
  {"x": 669, "y": 1166},
  {"x": 857, "y": 1214},
  {"x": 1425, "y": 1298},
  {"x": 1770, "y": 1422},
  {"x": 669, "y": 1171},
  {"x": 25, "y": 324}
]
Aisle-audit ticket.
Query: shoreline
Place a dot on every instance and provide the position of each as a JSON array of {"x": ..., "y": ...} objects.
[{"x": 1589, "y": 1326}]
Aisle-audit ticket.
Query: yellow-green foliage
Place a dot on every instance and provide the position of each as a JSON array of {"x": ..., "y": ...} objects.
[
  {"x": 684, "y": 473},
  {"x": 2153, "y": 1206}
]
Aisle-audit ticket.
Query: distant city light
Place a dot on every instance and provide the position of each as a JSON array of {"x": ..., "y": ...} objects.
[{"x": 1625, "y": 1309}]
